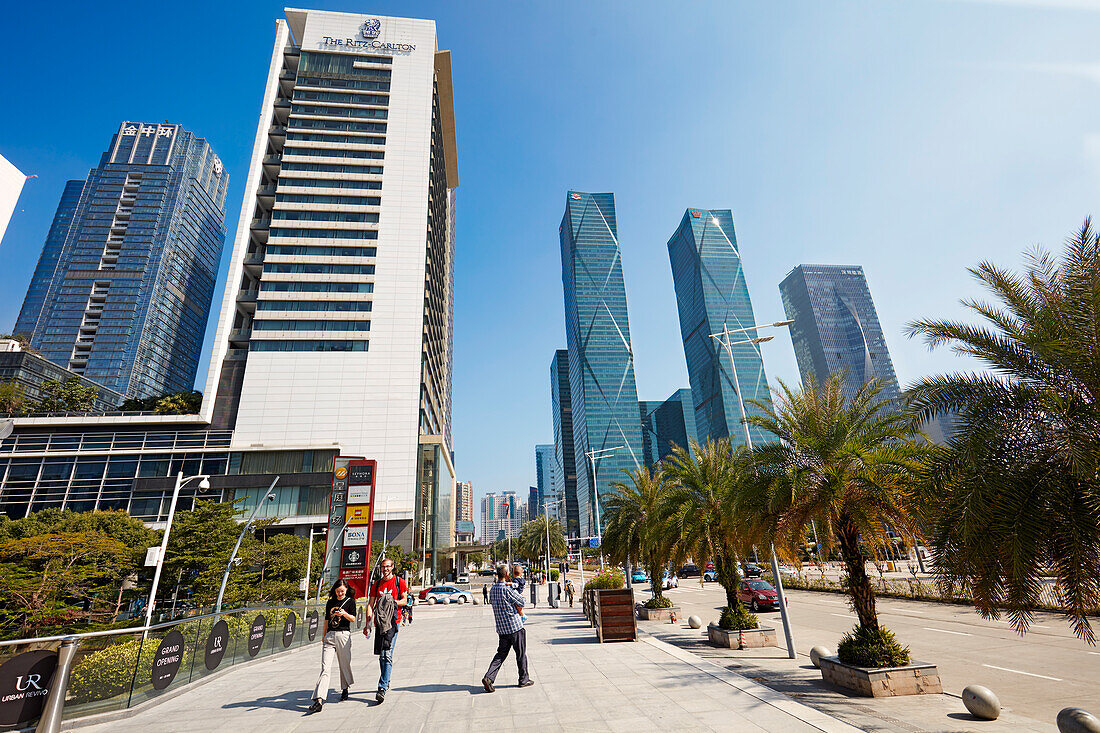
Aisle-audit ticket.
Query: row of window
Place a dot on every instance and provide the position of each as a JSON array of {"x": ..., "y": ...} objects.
[
  {"x": 336, "y": 153},
  {"x": 316, "y": 81},
  {"x": 312, "y": 268},
  {"x": 320, "y": 198},
  {"x": 310, "y": 109},
  {"x": 332, "y": 168},
  {"x": 360, "y": 216},
  {"x": 323, "y": 138},
  {"x": 344, "y": 306},
  {"x": 320, "y": 250},
  {"x": 311, "y": 325},
  {"x": 345, "y": 125},
  {"x": 329, "y": 183},
  {"x": 352, "y": 97},
  {"x": 311, "y": 345},
  {"x": 324, "y": 233},
  {"x": 299, "y": 287},
  {"x": 331, "y": 63}
]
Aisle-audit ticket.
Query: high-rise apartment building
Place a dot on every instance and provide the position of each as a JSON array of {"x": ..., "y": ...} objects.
[
  {"x": 534, "y": 503},
  {"x": 711, "y": 293},
  {"x": 464, "y": 501},
  {"x": 501, "y": 511},
  {"x": 607, "y": 431},
  {"x": 122, "y": 290},
  {"x": 336, "y": 327},
  {"x": 667, "y": 424},
  {"x": 563, "y": 442},
  {"x": 547, "y": 476},
  {"x": 836, "y": 326}
]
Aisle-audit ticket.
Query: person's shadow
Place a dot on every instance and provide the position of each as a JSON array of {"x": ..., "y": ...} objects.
[
  {"x": 440, "y": 687},
  {"x": 297, "y": 700}
]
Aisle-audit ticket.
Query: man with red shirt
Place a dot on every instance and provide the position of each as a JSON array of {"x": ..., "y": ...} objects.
[{"x": 386, "y": 638}]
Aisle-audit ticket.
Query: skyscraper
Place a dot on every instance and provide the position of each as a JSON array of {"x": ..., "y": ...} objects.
[
  {"x": 501, "y": 511},
  {"x": 563, "y": 441},
  {"x": 546, "y": 473},
  {"x": 336, "y": 325},
  {"x": 607, "y": 430},
  {"x": 534, "y": 503},
  {"x": 464, "y": 501},
  {"x": 123, "y": 287},
  {"x": 711, "y": 292},
  {"x": 667, "y": 424},
  {"x": 836, "y": 327}
]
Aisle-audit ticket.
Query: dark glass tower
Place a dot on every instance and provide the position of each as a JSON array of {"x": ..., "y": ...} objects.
[
  {"x": 667, "y": 424},
  {"x": 563, "y": 439},
  {"x": 711, "y": 292},
  {"x": 47, "y": 261},
  {"x": 128, "y": 290},
  {"x": 836, "y": 327},
  {"x": 607, "y": 430}
]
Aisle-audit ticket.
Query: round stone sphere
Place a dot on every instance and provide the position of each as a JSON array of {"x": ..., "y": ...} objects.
[
  {"x": 817, "y": 653},
  {"x": 695, "y": 622},
  {"x": 1076, "y": 720},
  {"x": 981, "y": 702}
]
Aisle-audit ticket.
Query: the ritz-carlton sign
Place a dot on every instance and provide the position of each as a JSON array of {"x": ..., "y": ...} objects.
[{"x": 368, "y": 39}]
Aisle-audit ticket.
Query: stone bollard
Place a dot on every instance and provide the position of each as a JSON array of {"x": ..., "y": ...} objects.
[
  {"x": 1076, "y": 720},
  {"x": 981, "y": 702},
  {"x": 695, "y": 622},
  {"x": 817, "y": 653}
]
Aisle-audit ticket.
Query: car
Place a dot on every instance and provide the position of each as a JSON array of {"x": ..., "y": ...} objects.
[
  {"x": 486, "y": 571},
  {"x": 463, "y": 579},
  {"x": 668, "y": 580},
  {"x": 638, "y": 576},
  {"x": 710, "y": 575},
  {"x": 445, "y": 594},
  {"x": 752, "y": 570},
  {"x": 689, "y": 570},
  {"x": 757, "y": 594}
]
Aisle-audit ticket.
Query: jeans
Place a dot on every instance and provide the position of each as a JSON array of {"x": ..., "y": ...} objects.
[{"x": 385, "y": 664}]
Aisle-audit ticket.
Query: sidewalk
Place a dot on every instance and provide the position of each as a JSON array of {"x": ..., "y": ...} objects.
[{"x": 579, "y": 685}]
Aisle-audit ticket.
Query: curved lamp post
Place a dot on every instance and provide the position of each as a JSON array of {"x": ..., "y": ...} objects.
[
  {"x": 204, "y": 485},
  {"x": 247, "y": 525},
  {"x": 596, "y": 494}
]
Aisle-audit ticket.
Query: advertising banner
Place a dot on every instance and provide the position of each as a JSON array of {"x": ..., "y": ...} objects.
[{"x": 354, "y": 553}]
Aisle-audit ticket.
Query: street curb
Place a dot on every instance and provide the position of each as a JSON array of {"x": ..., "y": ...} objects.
[{"x": 778, "y": 700}]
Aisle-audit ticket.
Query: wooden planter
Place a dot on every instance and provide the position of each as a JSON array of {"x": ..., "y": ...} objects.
[
  {"x": 613, "y": 614},
  {"x": 915, "y": 679},
  {"x": 657, "y": 614},
  {"x": 730, "y": 638}
]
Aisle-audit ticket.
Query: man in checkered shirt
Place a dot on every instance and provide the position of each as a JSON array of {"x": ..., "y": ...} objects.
[{"x": 506, "y": 602}]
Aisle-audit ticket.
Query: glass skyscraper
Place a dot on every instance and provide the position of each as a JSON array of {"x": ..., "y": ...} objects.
[
  {"x": 667, "y": 424},
  {"x": 836, "y": 327},
  {"x": 607, "y": 430},
  {"x": 123, "y": 287},
  {"x": 711, "y": 292},
  {"x": 563, "y": 440}
]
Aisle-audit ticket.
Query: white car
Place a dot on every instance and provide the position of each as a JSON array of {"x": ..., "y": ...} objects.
[
  {"x": 463, "y": 579},
  {"x": 445, "y": 594}
]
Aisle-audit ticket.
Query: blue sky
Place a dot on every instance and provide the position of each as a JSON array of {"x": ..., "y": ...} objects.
[{"x": 913, "y": 138}]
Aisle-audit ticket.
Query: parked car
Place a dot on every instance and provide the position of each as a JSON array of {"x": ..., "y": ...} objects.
[
  {"x": 639, "y": 576},
  {"x": 710, "y": 575},
  {"x": 463, "y": 579},
  {"x": 757, "y": 594},
  {"x": 689, "y": 570},
  {"x": 445, "y": 594},
  {"x": 668, "y": 580},
  {"x": 752, "y": 570},
  {"x": 486, "y": 571}
]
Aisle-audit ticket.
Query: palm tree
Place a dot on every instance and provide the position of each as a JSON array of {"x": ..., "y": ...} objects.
[
  {"x": 637, "y": 523},
  {"x": 531, "y": 542},
  {"x": 704, "y": 482},
  {"x": 1016, "y": 492},
  {"x": 849, "y": 465}
]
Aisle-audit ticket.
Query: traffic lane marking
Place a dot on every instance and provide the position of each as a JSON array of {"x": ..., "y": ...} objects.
[
  {"x": 1029, "y": 674},
  {"x": 945, "y": 631}
]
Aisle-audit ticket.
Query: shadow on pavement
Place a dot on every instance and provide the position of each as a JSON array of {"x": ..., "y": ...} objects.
[
  {"x": 297, "y": 700},
  {"x": 576, "y": 640},
  {"x": 440, "y": 687}
]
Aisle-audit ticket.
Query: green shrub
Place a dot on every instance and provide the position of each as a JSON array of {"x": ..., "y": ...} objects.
[
  {"x": 609, "y": 579},
  {"x": 738, "y": 617},
  {"x": 872, "y": 648},
  {"x": 553, "y": 574},
  {"x": 661, "y": 602}
]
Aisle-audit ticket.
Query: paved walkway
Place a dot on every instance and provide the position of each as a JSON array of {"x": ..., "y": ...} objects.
[{"x": 579, "y": 685}]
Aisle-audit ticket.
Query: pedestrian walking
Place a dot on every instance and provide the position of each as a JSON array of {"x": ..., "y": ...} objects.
[
  {"x": 505, "y": 601},
  {"x": 485, "y": 593},
  {"x": 336, "y": 644},
  {"x": 569, "y": 591},
  {"x": 407, "y": 612},
  {"x": 388, "y": 596},
  {"x": 534, "y": 594}
]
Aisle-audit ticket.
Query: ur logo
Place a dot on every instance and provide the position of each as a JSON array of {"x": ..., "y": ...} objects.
[
  {"x": 32, "y": 680},
  {"x": 370, "y": 28}
]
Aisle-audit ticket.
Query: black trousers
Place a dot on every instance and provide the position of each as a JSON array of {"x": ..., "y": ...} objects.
[{"x": 517, "y": 641}]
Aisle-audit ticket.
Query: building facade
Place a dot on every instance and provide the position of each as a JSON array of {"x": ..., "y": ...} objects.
[
  {"x": 547, "y": 477},
  {"x": 123, "y": 286},
  {"x": 666, "y": 425},
  {"x": 336, "y": 326},
  {"x": 607, "y": 431},
  {"x": 30, "y": 372},
  {"x": 464, "y": 501},
  {"x": 502, "y": 514},
  {"x": 711, "y": 293},
  {"x": 563, "y": 442},
  {"x": 836, "y": 327}
]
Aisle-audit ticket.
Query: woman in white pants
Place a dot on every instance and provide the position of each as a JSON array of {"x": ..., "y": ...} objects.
[{"x": 336, "y": 648}]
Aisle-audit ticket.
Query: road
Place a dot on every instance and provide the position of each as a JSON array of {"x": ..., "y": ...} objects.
[{"x": 1035, "y": 675}]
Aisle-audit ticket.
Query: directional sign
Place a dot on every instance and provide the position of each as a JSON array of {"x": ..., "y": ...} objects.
[{"x": 594, "y": 542}]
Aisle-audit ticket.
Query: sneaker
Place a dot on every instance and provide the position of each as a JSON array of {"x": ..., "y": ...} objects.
[
  {"x": 487, "y": 684},
  {"x": 344, "y": 695},
  {"x": 315, "y": 707},
  {"x": 380, "y": 696},
  {"x": 528, "y": 683}
]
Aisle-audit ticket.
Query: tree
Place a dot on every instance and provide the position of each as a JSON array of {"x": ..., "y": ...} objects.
[
  {"x": 704, "y": 481},
  {"x": 852, "y": 466},
  {"x": 181, "y": 403},
  {"x": 12, "y": 398},
  {"x": 1015, "y": 495},
  {"x": 72, "y": 395},
  {"x": 24, "y": 341},
  {"x": 477, "y": 558},
  {"x": 637, "y": 523},
  {"x": 198, "y": 551},
  {"x": 531, "y": 542}
]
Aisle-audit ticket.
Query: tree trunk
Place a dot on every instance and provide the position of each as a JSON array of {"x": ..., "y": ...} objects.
[
  {"x": 728, "y": 577},
  {"x": 653, "y": 569},
  {"x": 859, "y": 584}
]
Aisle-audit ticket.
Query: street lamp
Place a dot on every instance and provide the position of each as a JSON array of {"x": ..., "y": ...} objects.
[
  {"x": 546, "y": 521},
  {"x": 247, "y": 525},
  {"x": 596, "y": 495},
  {"x": 309, "y": 556},
  {"x": 724, "y": 339},
  {"x": 204, "y": 485}
]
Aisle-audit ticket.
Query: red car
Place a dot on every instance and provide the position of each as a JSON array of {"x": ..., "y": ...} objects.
[{"x": 757, "y": 594}]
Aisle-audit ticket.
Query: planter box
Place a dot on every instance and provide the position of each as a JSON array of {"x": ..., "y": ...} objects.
[
  {"x": 613, "y": 615},
  {"x": 657, "y": 614},
  {"x": 915, "y": 679},
  {"x": 754, "y": 638}
]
